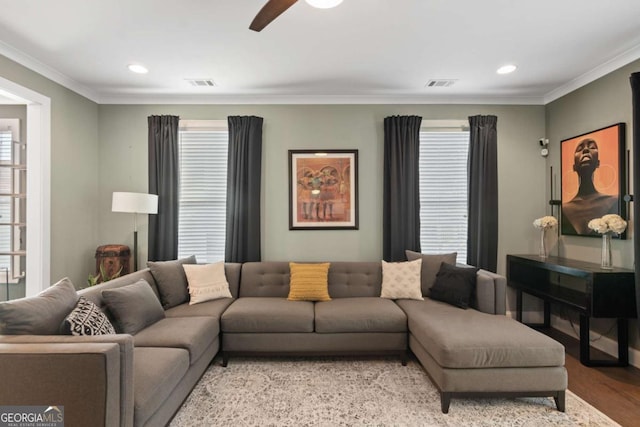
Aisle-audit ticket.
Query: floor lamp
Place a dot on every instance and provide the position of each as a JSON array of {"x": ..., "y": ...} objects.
[{"x": 135, "y": 203}]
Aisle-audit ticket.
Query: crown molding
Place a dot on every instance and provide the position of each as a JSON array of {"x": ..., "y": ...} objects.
[
  {"x": 318, "y": 99},
  {"x": 46, "y": 71},
  {"x": 308, "y": 99},
  {"x": 593, "y": 75}
]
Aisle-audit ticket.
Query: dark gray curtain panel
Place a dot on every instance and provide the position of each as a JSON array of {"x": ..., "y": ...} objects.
[
  {"x": 401, "y": 198},
  {"x": 635, "y": 90},
  {"x": 243, "y": 189},
  {"x": 482, "y": 234},
  {"x": 163, "y": 181}
]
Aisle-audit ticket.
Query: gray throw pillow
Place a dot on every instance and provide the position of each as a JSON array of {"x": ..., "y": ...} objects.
[
  {"x": 430, "y": 267},
  {"x": 171, "y": 280},
  {"x": 133, "y": 307},
  {"x": 39, "y": 315}
]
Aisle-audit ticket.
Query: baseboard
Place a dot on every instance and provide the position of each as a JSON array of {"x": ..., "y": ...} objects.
[
  {"x": 604, "y": 344},
  {"x": 528, "y": 316}
]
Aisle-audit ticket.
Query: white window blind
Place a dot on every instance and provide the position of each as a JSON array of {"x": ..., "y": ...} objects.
[
  {"x": 203, "y": 193},
  {"x": 443, "y": 192},
  {"x": 6, "y": 188}
]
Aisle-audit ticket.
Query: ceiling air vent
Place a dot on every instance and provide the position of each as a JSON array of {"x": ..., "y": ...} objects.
[
  {"x": 441, "y": 83},
  {"x": 201, "y": 82}
]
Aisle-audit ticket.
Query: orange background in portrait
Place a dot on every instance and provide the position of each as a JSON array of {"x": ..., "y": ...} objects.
[{"x": 606, "y": 177}]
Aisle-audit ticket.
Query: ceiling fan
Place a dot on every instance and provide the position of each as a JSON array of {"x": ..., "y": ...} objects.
[{"x": 274, "y": 8}]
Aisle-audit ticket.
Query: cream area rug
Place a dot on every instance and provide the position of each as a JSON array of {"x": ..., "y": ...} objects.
[{"x": 348, "y": 392}]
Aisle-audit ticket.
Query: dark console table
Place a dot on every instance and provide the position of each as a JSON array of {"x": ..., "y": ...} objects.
[{"x": 581, "y": 286}]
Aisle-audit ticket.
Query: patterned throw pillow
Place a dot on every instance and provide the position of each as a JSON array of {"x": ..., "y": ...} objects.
[
  {"x": 87, "y": 319},
  {"x": 401, "y": 280},
  {"x": 309, "y": 282},
  {"x": 206, "y": 282}
]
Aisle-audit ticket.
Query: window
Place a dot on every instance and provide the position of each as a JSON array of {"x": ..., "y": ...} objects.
[
  {"x": 12, "y": 200},
  {"x": 444, "y": 154},
  {"x": 203, "y": 189}
]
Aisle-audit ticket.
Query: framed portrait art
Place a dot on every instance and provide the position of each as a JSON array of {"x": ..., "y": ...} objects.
[
  {"x": 323, "y": 189},
  {"x": 592, "y": 178}
]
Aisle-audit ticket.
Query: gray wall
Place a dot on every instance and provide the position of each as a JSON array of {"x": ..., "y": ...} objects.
[
  {"x": 123, "y": 167},
  {"x": 602, "y": 103},
  {"x": 74, "y": 173}
]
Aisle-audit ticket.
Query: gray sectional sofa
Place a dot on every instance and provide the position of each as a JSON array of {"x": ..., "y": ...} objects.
[{"x": 142, "y": 379}]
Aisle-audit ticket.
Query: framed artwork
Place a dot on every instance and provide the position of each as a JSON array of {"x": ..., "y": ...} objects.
[
  {"x": 323, "y": 189},
  {"x": 592, "y": 179}
]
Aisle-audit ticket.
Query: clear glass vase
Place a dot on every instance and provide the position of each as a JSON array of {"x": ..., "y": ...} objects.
[
  {"x": 542, "y": 253},
  {"x": 606, "y": 263}
]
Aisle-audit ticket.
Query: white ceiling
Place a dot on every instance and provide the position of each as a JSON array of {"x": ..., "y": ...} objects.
[{"x": 361, "y": 51}]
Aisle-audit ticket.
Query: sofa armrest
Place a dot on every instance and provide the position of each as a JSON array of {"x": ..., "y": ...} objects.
[
  {"x": 74, "y": 361},
  {"x": 82, "y": 378},
  {"x": 491, "y": 293}
]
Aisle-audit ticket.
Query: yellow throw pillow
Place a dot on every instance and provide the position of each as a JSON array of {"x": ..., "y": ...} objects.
[{"x": 309, "y": 282}]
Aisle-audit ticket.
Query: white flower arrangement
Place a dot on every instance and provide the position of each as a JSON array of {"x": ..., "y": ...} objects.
[
  {"x": 608, "y": 223},
  {"x": 545, "y": 222}
]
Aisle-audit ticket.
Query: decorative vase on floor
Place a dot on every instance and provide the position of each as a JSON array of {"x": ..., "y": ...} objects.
[
  {"x": 606, "y": 252},
  {"x": 543, "y": 247}
]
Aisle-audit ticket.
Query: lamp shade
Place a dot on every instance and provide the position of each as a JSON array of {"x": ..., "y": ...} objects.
[
  {"x": 134, "y": 203},
  {"x": 324, "y": 4}
]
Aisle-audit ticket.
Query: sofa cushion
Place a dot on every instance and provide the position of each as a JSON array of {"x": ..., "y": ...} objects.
[
  {"x": 206, "y": 282},
  {"x": 133, "y": 307},
  {"x": 470, "y": 339},
  {"x": 39, "y": 315},
  {"x": 430, "y": 266},
  {"x": 156, "y": 373},
  {"x": 86, "y": 319},
  {"x": 455, "y": 285},
  {"x": 171, "y": 280},
  {"x": 401, "y": 280},
  {"x": 355, "y": 279},
  {"x": 309, "y": 282},
  {"x": 262, "y": 314},
  {"x": 265, "y": 279},
  {"x": 213, "y": 308},
  {"x": 194, "y": 334},
  {"x": 362, "y": 314}
]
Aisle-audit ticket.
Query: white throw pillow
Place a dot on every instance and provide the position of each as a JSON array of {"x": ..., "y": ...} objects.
[
  {"x": 401, "y": 280},
  {"x": 206, "y": 282}
]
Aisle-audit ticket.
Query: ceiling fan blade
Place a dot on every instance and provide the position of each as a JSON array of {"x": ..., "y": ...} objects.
[{"x": 269, "y": 12}]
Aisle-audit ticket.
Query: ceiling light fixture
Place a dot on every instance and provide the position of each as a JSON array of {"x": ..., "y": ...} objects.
[
  {"x": 324, "y": 4},
  {"x": 137, "y": 68},
  {"x": 506, "y": 69}
]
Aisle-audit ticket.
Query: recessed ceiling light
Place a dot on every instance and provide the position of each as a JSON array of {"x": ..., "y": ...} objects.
[
  {"x": 137, "y": 68},
  {"x": 506, "y": 69},
  {"x": 324, "y": 4}
]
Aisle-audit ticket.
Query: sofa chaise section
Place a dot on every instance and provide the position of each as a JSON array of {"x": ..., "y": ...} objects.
[{"x": 475, "y": 352}]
